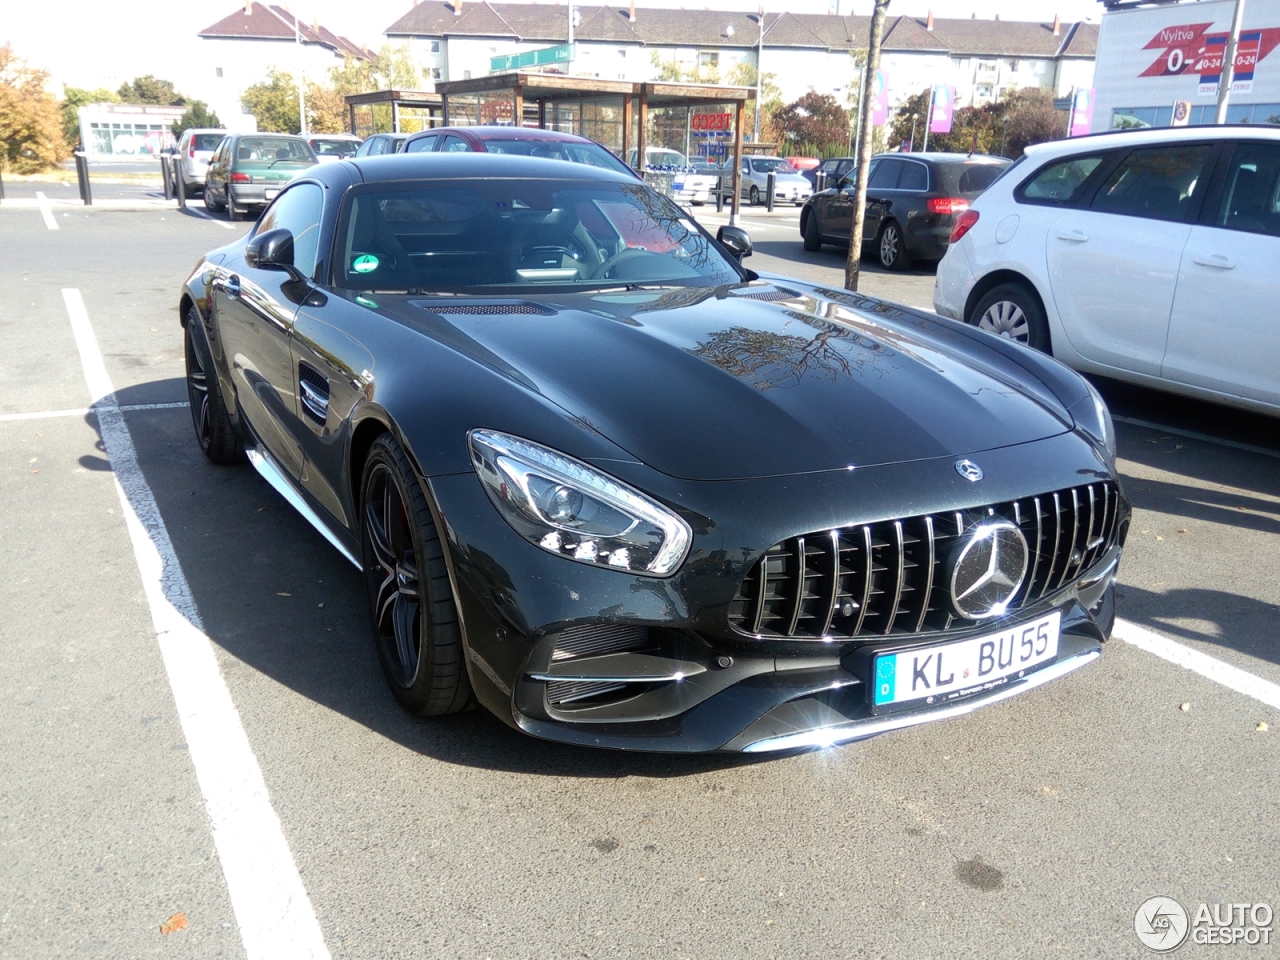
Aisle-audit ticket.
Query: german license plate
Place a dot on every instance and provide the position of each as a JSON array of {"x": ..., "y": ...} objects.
[
  {"x": 927, "y": 676},
  {"x": 271, "y": 193}
]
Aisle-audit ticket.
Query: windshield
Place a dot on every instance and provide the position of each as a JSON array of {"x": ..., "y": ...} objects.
[
  {"x": 465, "y": 236},
  {"x": 772, "y": 165},
  {"x": 334, "y": 148},
  {"x": 206, "y": 141},
  {"x": 591, "y": 154},
  {"x": 665, "y": 158},
  {"x": 273, "y": 149}
]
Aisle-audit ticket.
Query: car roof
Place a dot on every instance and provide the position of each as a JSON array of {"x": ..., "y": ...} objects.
[
  {"x": 332, "y": 136},
  {"x": 268, "y": 133},
  {"x": 1155, "y": 135},
  {"x": 222, "y": 130},
  {"x": 946, "y": 157},
  {"x": 470, "y": 166},
  {"x": 506, "y": 133}
]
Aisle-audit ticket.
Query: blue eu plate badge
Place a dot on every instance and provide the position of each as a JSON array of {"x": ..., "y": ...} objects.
[{"x": 886, "y": 671}]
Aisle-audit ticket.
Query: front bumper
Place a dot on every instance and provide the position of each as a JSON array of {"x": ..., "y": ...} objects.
[{"x": 699, "y": 685}]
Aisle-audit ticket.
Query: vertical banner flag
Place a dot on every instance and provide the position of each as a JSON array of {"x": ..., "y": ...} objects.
[
  {"x": 1181, "y": 113},
  {"x": 1082, "y": 112},
  {"x": 940, "y": 112},
  {"x": 1214, "y": 52},
  {"x": 879, "y": 99}
]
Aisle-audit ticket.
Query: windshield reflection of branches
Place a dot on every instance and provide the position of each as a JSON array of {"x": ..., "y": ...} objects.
[
  {"x": 765, "y": 359},
  {"x": 666, "y": 219}
]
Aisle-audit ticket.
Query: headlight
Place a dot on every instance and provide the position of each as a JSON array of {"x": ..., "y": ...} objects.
[
  {"x": 575, "y": 511},
  {"x": 1094, "y": 418}
]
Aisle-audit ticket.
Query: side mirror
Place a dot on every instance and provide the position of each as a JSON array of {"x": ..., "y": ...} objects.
[
  {"x": 847, "y": 183},
  {"x": 736, "y": 240},
  {"x": 272, "y": 250}
]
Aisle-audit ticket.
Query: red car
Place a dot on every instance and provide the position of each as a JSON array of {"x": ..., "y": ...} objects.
[{"x": 519, "y": 141}]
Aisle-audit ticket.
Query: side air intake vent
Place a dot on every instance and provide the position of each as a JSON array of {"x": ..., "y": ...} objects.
[{"x": 589, "y": 640}]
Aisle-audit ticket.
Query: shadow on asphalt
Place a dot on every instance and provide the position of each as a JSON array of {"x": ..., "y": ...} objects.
[
  {"x": 834, "y": 258},
  {"x": 1234, "y": 622},
  {"x": 274, "y": 595}
]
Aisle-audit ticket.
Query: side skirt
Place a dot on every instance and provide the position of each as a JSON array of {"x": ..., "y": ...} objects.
[{"x": 272, "y": 473}]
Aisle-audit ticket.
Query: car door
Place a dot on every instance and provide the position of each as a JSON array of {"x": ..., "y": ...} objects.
[
  {"x": 1224, "y": 331},
  {"x": 215, "y": 176},
  {"x": 835, "y": 217},
  {"x": 254, "y": 311},
  {"x": 880, "y": 191},
  {"x": 1113, "y": 260}
]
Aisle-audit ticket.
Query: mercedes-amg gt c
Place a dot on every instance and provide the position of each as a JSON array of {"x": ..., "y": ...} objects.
[{"x": 621, "y": 491}]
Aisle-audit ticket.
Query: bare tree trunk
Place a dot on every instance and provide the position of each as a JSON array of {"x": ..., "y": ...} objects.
[{"x": 864, "y": 145}]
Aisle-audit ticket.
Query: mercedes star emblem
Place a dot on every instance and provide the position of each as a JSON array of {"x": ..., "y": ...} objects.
[
  {"x": 969, "y": 470},
  {"x": 989, "y": 570}
]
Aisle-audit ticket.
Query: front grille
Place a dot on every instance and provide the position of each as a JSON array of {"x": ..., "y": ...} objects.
[{"x": 888, "y": 578}]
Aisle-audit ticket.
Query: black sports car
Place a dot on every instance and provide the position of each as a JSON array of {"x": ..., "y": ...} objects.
[{"x": 624, "y": 492}]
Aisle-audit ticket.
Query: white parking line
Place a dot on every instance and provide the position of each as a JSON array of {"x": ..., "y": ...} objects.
[
  {"x": 1198, "y": 436},
  {"x": 82, "y": 411},
  {"x": 1233, "y": 678},
  {"x": 271, "y": 905},
  {"x": 201, "y": 213},
  {"x": 46, "y": 211}
]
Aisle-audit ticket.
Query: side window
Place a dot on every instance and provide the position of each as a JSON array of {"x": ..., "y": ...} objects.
[
  {"x": 455, "y": 145},
  {"x": 915, "y": 176},
  {"x": 378, "y": 146},
  {"x": 425, "y": 145},
  {"x": 885, "y": 176},
  {"x": 1060, "y": 182},
  {"x": 1251, "y": 190},
  {"x": 298, "y": 210},
  {"x": 1157, "y": 183}
]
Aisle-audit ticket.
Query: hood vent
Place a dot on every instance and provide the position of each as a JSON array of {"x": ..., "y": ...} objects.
[
  {"x": 484, "y": 309},
  {"x": 770, "y": 294}
]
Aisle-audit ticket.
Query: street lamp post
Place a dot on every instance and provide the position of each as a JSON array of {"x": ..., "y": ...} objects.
[
  {"x": 759, "y": 71},
  {"x": 1227, "y": 75},
  {"x": 302, "y": 79}
]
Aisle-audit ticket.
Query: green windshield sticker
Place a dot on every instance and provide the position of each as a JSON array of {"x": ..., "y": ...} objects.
[
  {"x": 365, "y": 263},
  {"x": 365, "y": 301}
]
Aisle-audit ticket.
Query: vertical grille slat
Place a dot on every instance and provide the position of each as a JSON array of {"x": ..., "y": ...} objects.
[{"x": 884, "y": 578}]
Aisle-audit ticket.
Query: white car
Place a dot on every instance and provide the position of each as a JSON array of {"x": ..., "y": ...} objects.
[
  {"x": 195, "y": 147},
  {"x": 789, "y": 185},
  {"x": 1151, "y": 256},
  {"x": 330, "y": 147}
]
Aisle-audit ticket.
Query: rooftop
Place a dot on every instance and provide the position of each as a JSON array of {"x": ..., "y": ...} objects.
[{"x": 260, "y": 21}]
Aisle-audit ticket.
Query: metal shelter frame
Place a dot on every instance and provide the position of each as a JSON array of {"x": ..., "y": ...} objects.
[
  {"x": 637, "y": 99},
  {"x": 415, "y": 99}
]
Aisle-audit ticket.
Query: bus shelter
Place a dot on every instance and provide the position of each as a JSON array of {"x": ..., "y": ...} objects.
[
  {"x": 626, "y": 117},
  {"x": 393, "y": 111}
]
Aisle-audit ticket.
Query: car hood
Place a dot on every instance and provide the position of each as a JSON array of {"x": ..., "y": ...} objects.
[{"x": 755, "y": 381}]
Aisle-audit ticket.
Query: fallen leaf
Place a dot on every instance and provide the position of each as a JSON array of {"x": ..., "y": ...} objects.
[
  {"x": 1159, "y": 538},
  {"x": 281, "y": 593},
  {"x": 175, "y": 923},
  {"x": 768, "y": 922},
  {"x": 320, "y": 605},
  {"x": 33, "y": 460},
  {"x": 1262, "y": 727},
  {"x": 1184, "y": 530},
  {"x": 1177, "y": 446},
  {"x": 1184, "y": 707}
]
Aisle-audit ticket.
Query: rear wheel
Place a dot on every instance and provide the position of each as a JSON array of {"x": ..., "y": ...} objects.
[
  {"x": 415, "y": 620},
  {"x": 891, "y": 249},
  {"x": 1012, "y": 311},
  {"x": 812, "y": 237},
  {"x": 211, "y": 202},
  {"x": 754, "y": 196},
  {"x": 214, "y": 433}
]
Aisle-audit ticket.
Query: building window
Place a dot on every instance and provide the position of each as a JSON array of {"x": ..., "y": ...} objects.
[
  {"x": 466, "y": 74},
  {"x": 1015, "y": 65},
  {"x": 434, "y": 73},
  {"x": 986, "y": 67},
  {"x": 435, "y": 46},
  {"x": 217, "y": 71},
  {"x": 983, "y": 91},
  {"x": 622, "y": 54},
  {"x": 708, "y": 58}
]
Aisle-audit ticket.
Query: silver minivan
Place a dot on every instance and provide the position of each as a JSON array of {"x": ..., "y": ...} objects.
[{"x": 195, "y": 148}]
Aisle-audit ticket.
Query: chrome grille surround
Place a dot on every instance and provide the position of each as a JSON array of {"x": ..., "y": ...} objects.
[{"x": 889, "y": 578}]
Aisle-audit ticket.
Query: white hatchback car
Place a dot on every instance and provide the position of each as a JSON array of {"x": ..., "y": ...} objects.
[
  {"x": 195, "y": 147},
  {"x": 1151, "y": 256}
]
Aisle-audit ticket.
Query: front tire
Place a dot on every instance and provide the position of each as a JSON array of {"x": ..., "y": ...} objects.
[
  {"x": 415, "y": 620},
  {"x": 1012, "y": 311},
  {"x": 754, "y": 197},
  {"x": 812, "y": 236},
  {"x": 891, "y": 248},
  {"x": 214, "y": 433}
]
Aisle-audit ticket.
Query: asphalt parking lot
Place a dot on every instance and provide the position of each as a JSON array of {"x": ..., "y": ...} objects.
[{"x": 1032, "y": 828}]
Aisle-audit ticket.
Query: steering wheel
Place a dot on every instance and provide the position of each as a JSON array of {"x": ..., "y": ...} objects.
[{"x": 602, "y": 272}]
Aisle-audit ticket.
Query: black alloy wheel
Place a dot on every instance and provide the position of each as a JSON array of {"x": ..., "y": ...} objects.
[
  {"x": 812, "y": 236},
  {"x": 415, "y": 620},
  {"x": 214, "y": 433},
  {"x": 755, "y": 196},
  {"x": 891, "y": 249},
  {"x": 1012, "y": 311}
]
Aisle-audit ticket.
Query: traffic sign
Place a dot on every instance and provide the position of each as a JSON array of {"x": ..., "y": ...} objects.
[{"x": 545, "y": 57}]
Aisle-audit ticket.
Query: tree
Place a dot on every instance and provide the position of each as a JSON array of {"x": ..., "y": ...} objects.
[
  {"x": 1022, "y": 118},
  {"x": 910, "y": 115},
  {"x": 150, "y": 90},
  {"x": 392, "y": 68},
  {"x": 814, "y": 124},
  {"x": 853, "y": 260},
  {"x": 744, "y": 75},
  {"x": 326, "y": 110},
  {"x": 198, "y": 115},
  {"x": 73, "y": 99},
  {"x": 31, "y": 131},
  {"x": 274, "y": 103}
]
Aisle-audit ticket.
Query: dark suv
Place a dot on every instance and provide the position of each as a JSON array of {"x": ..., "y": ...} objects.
[{"x": 912, "y": 204}]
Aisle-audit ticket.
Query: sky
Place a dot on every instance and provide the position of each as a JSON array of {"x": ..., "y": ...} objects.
[{"x": 91, "y": 43}]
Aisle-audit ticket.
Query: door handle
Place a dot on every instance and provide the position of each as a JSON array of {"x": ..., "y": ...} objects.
[
  {"x": 1075, "y": 236},
  {"x": 1215, "y": 260},
  {"x": 232, "y": 287}
]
